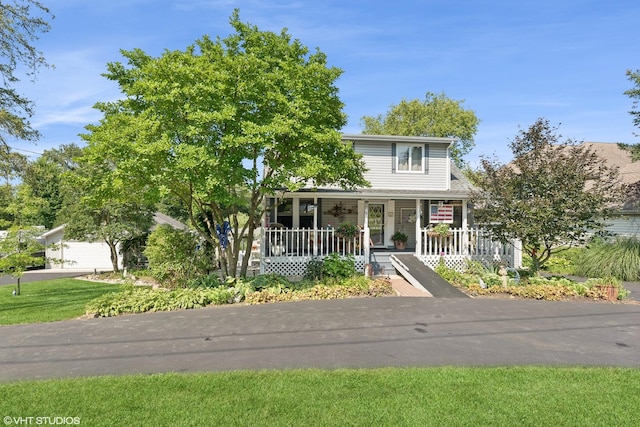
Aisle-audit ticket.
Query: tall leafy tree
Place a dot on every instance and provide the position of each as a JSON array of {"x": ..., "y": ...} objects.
[
  {"x": 45, "y": 177},
  {"x": 19, "y": 248},
  {"x": 436, "y": 115},
  {"x": 96, "y": 208},
  {"x": 21, "y": 22},
  {"x": 553, "y": 195},
  {"x": 224, "y": 123},
  {"x": 112, "y": 222}
]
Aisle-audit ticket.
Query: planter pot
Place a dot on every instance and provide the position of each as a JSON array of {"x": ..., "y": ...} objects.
[
  {"x": 400, "y": 245},
  {"x": 610, "y": 292},
  {"x": 435, "y": 234}
]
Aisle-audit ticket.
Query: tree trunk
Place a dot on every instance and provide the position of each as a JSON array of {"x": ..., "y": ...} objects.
[{"x": 114, "y": 256}]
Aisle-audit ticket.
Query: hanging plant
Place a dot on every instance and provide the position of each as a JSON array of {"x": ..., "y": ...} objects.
[
  {"x": 440, "y": 230},
  {"x": 348, "y": 231}
]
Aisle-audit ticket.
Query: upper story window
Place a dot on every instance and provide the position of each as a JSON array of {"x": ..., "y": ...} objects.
[{"x": 410, "y": 158}]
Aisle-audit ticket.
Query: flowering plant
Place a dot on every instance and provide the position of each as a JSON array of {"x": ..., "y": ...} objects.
[{"x": 347, "y": 230}]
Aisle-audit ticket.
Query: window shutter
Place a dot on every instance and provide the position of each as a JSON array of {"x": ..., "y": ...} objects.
[
  {"x": 426, "y": 158},
  {"x": 393, "y": 157}
]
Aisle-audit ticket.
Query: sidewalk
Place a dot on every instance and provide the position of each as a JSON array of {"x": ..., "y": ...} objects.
[{"x": 403, "y": 288}]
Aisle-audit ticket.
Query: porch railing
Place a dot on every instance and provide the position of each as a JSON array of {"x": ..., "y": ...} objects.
[
  {"x": 310, "y": 242},
  {"x": 459, "y": 245},
  {"x": 287, "y": 251}
]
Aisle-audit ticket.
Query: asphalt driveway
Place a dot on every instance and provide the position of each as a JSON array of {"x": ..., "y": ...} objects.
[
  {"x": 39, "y": 275},
  {"x": 352, "y": 333}
]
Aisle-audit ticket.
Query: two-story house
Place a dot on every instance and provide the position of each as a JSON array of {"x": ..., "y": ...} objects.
[{"x": 414, "y": 186}]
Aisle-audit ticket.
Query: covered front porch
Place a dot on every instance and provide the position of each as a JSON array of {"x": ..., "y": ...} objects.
[{"x": 299, "y": 229}]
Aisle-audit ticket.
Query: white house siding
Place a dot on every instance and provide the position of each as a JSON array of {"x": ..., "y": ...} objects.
[
  {"x": 349, "y": 207},
  {"x": 378, "y": 159}
]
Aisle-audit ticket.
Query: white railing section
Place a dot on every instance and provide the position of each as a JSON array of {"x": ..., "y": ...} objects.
[
  {"x": 298, "y": 242},
  {"x": 460, "y": 244},
  {"x": 287, "y": 251}
]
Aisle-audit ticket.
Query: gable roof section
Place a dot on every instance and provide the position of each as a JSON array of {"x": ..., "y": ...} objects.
[
  {"x": 158, "y": 218},
  {"x": 613, "y": 155},
  {"x": 629, "y": 170}
]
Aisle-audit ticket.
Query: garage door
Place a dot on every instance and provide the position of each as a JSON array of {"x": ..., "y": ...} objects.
[{"x": 87, "y": 256}]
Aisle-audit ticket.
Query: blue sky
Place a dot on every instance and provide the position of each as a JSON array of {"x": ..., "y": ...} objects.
[{"x": 511, "y": 61}]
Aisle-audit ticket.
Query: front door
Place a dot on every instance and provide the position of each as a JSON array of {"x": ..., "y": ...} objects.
[{"x": 376, "y": 223}]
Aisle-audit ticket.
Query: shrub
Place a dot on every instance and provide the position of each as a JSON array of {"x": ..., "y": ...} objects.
[
  {"x": 313, "y": 269},
  {"x": 174, "y": 256},
  {"x": 617, "y": 258},
  {"x": 212, "y": 280},
  {"x": 269, "y": 280},
  {"x": 142, "y": 299},
  {"x": 339, "y": 267},
  {"x": 355, "y": 286}
]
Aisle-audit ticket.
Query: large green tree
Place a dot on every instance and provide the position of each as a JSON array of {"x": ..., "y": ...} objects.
[
  {"x": 436, "y": 115},
  {"x": 45, "y": 177},
  {"x": 97, "y": 208},
  {"x": 200, "y": 124},
  {"x": 21, "y": 22},
  {"x": 552, "y": 195}
]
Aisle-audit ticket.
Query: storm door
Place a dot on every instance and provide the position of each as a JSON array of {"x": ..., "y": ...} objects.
[{"x": 376, "y": 223}]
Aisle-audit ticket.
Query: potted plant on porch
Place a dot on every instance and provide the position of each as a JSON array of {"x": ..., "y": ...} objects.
[{"x": 399, "y": 239}]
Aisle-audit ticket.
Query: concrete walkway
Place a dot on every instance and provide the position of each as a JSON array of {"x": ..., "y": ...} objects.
[
  {"x": 403, "y": 288},
  {"x": 351, "y": 333}
]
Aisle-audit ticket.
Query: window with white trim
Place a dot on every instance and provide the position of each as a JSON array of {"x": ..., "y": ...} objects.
[{"x": 410, "y": 158}]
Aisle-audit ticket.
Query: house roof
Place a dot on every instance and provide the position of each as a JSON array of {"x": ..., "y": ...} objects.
[
  {"x": 158, "y": 217},
  {"x": 613, "y": 155},
  {"x": 629, "y": 170},
  {"x": 396, "y": 138}
]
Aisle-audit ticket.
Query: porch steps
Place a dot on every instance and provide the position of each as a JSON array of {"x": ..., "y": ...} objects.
[
  {"x": 381, "y": 262},
  {"x": 422, "y": 277}
]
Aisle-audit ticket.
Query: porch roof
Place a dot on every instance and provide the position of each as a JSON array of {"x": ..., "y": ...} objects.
[{"x": 397, "y": 138}]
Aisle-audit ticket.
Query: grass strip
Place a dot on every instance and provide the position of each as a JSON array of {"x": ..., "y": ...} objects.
[
  {"x": 447, "y": 396},
  {"x": 49, "y": 300}
]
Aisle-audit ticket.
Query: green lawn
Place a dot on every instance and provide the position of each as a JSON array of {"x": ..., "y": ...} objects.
[
  {"x": 49, "y": 300},
  {"x": 519, "y": 396}
]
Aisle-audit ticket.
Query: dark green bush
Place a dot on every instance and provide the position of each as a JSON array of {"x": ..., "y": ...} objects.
[
  {"x": 174, "y": 257},
  {"x": 313, "y": 269},
  {"x": 269, "y": 280},
  {"x": 338, "y": 267},
  {"x": 212, "y": 280}
]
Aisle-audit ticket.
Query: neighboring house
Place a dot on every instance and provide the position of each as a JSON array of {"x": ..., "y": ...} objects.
[
  {"x": 414, "y": 185},
  {"x": 85, "y": 255},
  {"x": 627, "y": 220}
]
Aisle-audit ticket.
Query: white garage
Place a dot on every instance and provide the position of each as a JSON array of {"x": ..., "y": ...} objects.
[{"x": 75, "y": 255}]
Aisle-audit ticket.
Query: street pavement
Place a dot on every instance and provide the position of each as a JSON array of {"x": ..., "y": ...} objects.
[
  {"x": 351, "y": 333},
  {"x": 39, "y": 275}
]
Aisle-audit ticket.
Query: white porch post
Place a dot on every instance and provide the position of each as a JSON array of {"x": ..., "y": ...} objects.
[
  {"x": 263, "y": 236},
  {"x": 418, "y": 228},
  {"x": 465, "y": 231},
  {"x": 367, "y": 234},
  {"x": 315, "y": 226},
  {"x": 295, "y": 215}
]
